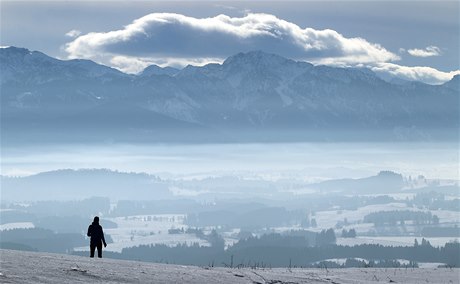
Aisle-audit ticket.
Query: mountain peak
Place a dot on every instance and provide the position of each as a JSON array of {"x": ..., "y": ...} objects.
[
  {"x": 454, "y": 83},
  {"x": 32, "y": 65},
  {"x": 256, "y": 57},
  {"x": 14, "y": 49},
  {"x": 13, "y": 53},
  {"x": 157, "y": 70},
  {"x": 456, "y": 78}
]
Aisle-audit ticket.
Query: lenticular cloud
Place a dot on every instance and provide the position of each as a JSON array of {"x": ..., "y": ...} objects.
[{"x": 164, "y": 35}]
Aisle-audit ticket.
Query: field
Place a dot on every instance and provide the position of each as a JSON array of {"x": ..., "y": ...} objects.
[
  {"x": 138, "y": 230},
  {"x": 27, "y": 267},
  {"x": 148, "y": 230}
]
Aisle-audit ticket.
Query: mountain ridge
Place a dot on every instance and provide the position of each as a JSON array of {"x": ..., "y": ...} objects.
[
  {"x": 170, "y": 71},
  {"x": 106, "y": 182},
  {"x": 83, "y": 183},
  {"x": 250, "y": 97}
]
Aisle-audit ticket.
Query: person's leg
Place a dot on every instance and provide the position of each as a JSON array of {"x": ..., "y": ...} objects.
[
  {"x": 99, "y": 250},
  {"x": 92, "y": 247}
]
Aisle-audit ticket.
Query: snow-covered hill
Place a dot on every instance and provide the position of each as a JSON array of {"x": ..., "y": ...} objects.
[
  {"x": 32, "y": 267},
  {"x": 252, "y": 96}
]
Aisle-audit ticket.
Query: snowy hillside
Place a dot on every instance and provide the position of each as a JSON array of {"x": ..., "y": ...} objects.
[{"x": 29, "y": 267}]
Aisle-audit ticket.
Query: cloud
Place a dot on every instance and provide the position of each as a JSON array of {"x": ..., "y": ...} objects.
[
  {"x": 427, "y": 52},
  {"x": 129, "y": 64},
  {"x": 168, "y": 39},
  {"x": 166, "y": 35},
  {"x": 73, "y": 33},
  {"x": 417, "y": 73}
]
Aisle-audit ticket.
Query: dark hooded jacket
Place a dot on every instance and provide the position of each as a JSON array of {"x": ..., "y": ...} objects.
[{"x": 95, "y": 232}]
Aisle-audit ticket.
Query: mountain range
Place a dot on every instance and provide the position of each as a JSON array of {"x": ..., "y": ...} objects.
[
  {"x": 250, "y": 97},
  {"x": 66, "y": 184}
]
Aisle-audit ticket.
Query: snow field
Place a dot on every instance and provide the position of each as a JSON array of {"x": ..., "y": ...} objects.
[
  {"x": 30, "y": 267},
  {"x": 18, "y": 225},
  {"x": 148, "y": 230}
]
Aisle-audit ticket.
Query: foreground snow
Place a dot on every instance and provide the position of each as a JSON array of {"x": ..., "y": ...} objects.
[{"x": 31, "y": 267}]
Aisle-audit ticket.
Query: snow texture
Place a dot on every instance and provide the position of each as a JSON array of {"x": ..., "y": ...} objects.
[
  {"x": 17, "y": 225},
  {"x": 32, "y": 267}
]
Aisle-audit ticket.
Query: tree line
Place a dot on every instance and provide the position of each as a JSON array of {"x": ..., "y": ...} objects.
[{"x": 276, "y": 250}]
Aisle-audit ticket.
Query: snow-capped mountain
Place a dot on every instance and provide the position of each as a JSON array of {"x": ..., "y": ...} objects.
[
  {"x": 252, "y": 96},
  {"x": 157, "y": 70},
  {"x": 34, "y": 67}
]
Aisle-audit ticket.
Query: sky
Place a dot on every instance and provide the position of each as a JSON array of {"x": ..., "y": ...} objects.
[{"x": 412, "y": 40}]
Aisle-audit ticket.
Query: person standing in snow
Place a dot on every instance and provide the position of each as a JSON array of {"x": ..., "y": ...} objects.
[{"x": 97, "y": 237}]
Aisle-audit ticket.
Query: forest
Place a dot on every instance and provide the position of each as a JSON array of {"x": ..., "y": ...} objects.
[{"x": 284, "y": 251}]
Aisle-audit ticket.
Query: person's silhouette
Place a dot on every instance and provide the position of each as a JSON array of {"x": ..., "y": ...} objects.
[{"x": 97, "y": 238}]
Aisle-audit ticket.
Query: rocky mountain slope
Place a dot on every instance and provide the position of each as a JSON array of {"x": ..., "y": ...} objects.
[
  {"x": 32, "y": 267},
  {"x": 252, "y": 96}
]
